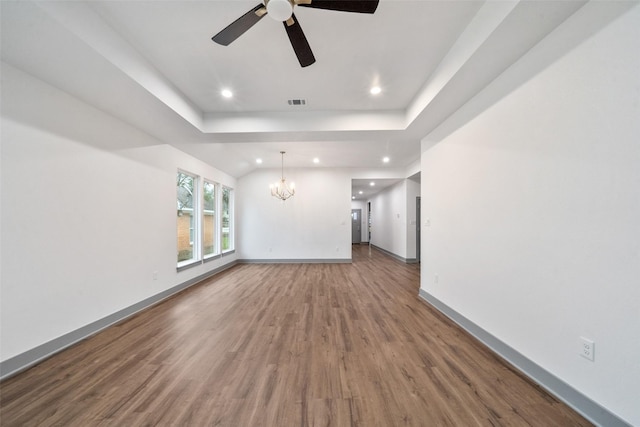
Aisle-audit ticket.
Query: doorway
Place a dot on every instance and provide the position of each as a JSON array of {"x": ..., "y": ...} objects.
[
  {"x": 356, "y": 226},
  {"x": 418, "y": 222},
  {"x": 369, "y": 222}
]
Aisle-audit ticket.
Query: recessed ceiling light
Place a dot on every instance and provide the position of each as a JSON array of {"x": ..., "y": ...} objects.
[
  {"x": 227, "y": 93},
  {"x": 375, "y": 90},
  {"x": 259, "y": 161},
  {"x": 385, "y": 159},
  {"x": 372, "y": 183},
  {"x": 353, "y": 197},
  {"x": 359, "y": 192},
  {"x": 316, "y": 160}
]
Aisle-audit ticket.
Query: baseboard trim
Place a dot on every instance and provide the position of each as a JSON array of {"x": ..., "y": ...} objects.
[
  {"x": 398, "y": 257},
  {"x": 29, "y": 358},
  {"x": 296, "y": 261},
  {"x": 589, "y": 409}
]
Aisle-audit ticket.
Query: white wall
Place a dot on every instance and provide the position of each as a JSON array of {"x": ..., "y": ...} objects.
[
  {"x": 88, "y": 214},
  {"x": 393, "y": 213},
  {"x": 534, "y": 208},
  {"x": 389, "y": 219},
  {"x": 315, "y": 224}
]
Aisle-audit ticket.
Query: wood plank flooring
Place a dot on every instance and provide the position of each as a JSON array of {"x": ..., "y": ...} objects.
[{"x": 284, "y": 345}]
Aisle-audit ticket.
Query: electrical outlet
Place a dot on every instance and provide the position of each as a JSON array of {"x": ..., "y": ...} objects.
[
  {"x": 436, "y": 278},
  {"x": 587, "y": 348},
  {"x": 155, "y": 275}
]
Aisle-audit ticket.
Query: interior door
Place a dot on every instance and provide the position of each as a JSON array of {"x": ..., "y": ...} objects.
[{"x": 356, "y": 226}]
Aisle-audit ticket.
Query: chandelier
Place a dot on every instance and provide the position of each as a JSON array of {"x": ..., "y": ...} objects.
[{"x": 280, "y": 189}]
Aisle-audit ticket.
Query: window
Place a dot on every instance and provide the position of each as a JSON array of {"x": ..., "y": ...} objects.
[
  {"x": 227, "y": 219},
  {"x": 205, "y": 220},
  {"x": 209, "y": 223},
  {"x": 187, "y": 223}
]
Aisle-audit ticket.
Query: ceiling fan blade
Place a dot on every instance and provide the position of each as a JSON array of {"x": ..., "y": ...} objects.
[
  {"x": 240, "y": 25},
  {"x": 359, "y": 6},
  {"x": 299, "y": 42}
]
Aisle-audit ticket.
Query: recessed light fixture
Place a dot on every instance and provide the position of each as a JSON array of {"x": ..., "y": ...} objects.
[
  {"x": 353, "y": 197},
  {"x": 316, "y": 160},
  {"x": 375, "y": 90},
  {"x": 226, "y": 93},
  {"x": 385, "y": 159},
  {"x": 359, "y": 192},
  {"x": 259, "y": 161},
  {"x": 372, "y": 183}
]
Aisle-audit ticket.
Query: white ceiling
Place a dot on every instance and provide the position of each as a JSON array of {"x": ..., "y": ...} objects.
[
  {"x": 153, "y": 65},
  {"x": 261, "y": 67}
]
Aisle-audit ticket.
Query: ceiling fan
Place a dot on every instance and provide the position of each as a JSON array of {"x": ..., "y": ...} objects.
[{"x": 282, "y": 10}]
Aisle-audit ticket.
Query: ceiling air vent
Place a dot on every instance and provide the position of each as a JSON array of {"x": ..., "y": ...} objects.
[{"x": 297, "y": 102}]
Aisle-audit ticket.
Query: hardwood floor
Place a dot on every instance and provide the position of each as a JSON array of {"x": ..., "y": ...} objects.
[{"x": 284, "y": 345}]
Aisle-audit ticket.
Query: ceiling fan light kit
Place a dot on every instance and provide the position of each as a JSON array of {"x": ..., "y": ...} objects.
[{"x": 282, "y": 10}]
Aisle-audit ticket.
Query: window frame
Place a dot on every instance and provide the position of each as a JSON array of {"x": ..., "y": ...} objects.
[
  {"x": 231, "y": 224},
  {"x": 216, "y": 223},
  {"x": 195, "y": 223}
]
